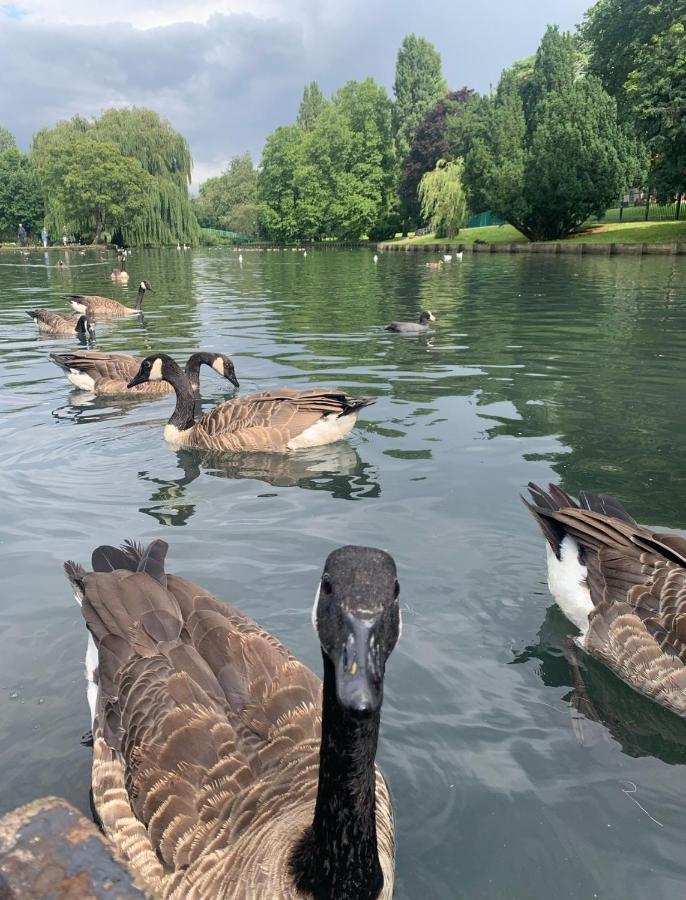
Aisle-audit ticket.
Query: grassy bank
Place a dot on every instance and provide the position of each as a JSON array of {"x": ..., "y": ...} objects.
[{"x": 602, "y": 233}]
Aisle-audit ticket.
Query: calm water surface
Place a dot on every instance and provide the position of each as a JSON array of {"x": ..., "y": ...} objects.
[{"x": 517, "y": 772}]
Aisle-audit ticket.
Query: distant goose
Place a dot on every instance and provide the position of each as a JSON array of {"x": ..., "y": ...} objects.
[
  {"x": 459, "y": 255},
  {"x": 277, "y": 420},
  {"x": 447, "y": 257},
  {"x": 178, "y": 245},
  {"x": 104, "y": 307},
  {"x": 61, "y": 265},
  {"x": 438, "y": 264},
  {"x": 622, "y": 585},
  {"x": 413, "y": 327},
  {"x": 222, "y": 767},
  {"x": 120, "y": 275},
  {"x": 50, "y": 322},
  {"x": 110, "y": 373}
]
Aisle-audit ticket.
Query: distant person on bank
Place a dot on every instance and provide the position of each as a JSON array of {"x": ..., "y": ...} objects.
[
  {"x": 44, "y": 236},
  {"x": 21, "y": 234}
]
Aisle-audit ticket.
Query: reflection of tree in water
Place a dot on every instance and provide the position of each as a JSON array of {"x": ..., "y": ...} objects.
[
  {"x": 336, "y": 468},
  {"x": 640, "y": 726}
]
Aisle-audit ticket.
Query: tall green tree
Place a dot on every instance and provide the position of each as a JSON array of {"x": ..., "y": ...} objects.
[
  {"x": 432, "y": 141},
  {"x": 7, "y": 139},
  {"x": 278, "y": 185},
  {"x": 311, "y": 105},
  {"x": 229, "y": 201},
  {"x": 442, "y": 198},
  {"x": 98, "y": 187},
  {"x": 21, "y": 198},
  {"x": 418, "y": 85},
  {"x": 547, "y": 151}
]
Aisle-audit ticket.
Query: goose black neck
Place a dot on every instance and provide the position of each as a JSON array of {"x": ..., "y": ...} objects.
[
  {"x": 195, "y": 360},
  {"x": 183, "y": 415},
  {"x": 139, "y": 298},
  {"x": 337, "y": 858}
]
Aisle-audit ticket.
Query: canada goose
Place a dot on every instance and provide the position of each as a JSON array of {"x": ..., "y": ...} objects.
[
  {"x": 110, "y": 373},
  {"x": 104, "y": 307},
  {"x": 120, "y": 275},
  {"x": 221, "y": 765},
  {"x": 413, "y": 327},
  {"x": 277, "y": 420},
  {"x": 50, "y": 322},
  {"x": 60, "y": 264},
  {"x": 622, "y": 585}
]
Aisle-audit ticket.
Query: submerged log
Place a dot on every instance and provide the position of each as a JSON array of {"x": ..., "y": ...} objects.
[{"x": 49, "y": 850}]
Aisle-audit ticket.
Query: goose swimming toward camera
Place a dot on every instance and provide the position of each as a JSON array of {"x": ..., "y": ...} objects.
[
  {"x": 120, "y": 275},
  {"x": 104, "y": 307},
  {"x": 622, "y": 585},
  {"x": 413, "y": 327},
  {"x": 109, "y": 373},
  {"x": 222, "y": 767},
  {"x": 50, "y": 322},
  {"x": 278, "y": 420}
]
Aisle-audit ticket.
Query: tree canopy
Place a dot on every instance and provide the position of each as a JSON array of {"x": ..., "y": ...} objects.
[
  {"x": 418, "y": 85},
  {"x": 432, "y": 141},
  {"x": 337, "y": 177},
  {"x": 229, "y": 201},
  {"x": 311, "y": 105},
  {"x": 165, "y": 215},
  {"x": 442, "y": 198},
  {"x": 547, "y": 150},
  {"x": 7, "y": 140},
  {"x": 21, "y": 198}
]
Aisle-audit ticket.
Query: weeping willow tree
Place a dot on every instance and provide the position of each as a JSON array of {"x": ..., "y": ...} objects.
[
  {"x": 442, "y": 198},
  {"x": 165, "y": 214}
]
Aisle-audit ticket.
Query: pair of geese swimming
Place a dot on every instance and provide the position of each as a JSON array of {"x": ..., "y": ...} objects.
[
  {"x": 224, "y": 768},
  {"x": 89, "y": 308}
]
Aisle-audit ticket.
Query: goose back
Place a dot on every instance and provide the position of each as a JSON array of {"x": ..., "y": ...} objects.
[
  {"x": 206, "y": 735},
  {"x": 50, "y": 322},
  {"x": 636, "y": 583}
]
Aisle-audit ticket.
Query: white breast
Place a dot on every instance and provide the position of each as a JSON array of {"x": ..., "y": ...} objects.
[
  {"x": 173, "y": 435},
  {"x": 91, "y": 677},
  {"x": 327, "y": 430},
  {"x": 567, "y": 583}
]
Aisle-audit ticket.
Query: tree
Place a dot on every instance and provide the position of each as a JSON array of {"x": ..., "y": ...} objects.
[
  {"x": 21, "y": 199},
  {"x": 140, "y": 134},
  {"x": 656, "y": 88},
  {"x": 311, "y": 105},
  {"x": 547, "y": 151},
  {"x": 432, "y": 141},
  {"x": 418, "y": 85},
  {"x": 95, "y": 184},
  {"x": 442, "y": 198},
  {"x": 7, "y": 140},
  {"x": 278, "y": 191},
  {"x": 229, "y": 201}
]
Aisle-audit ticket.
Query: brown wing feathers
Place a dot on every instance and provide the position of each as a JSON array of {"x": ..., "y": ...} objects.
[{"x": 196, "y": 703}]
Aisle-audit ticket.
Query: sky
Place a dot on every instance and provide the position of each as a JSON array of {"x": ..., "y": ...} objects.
[{"x": 227, "y": 72}]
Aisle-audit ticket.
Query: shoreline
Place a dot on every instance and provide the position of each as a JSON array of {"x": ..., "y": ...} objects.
[{"x": 670, "y": 248}]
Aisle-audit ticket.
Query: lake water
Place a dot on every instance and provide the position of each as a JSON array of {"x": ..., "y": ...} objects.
[{"x": 514, "y": 774}]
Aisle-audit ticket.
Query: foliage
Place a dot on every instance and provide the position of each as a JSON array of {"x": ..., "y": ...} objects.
[
  {"x": 97, "y": 186},
  {"x": 229, "y": 201},
  {"x": 311, "y": 105},
  {"x": 431, "y": 143},
  {"x": 166, "y": 215},
  {"x": 21, "y": 199},
  {"x": 657, "y": 90},
  {"x": 7, "y": 140},
  {"x": 418, "y": 85},
  {"x": 547, "y": 151},
  {"x": 335, "y": 179},
  {"x": 442, "y": 198}
]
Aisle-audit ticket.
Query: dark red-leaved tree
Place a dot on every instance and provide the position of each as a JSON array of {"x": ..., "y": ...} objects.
[{"x": 429, "y": 145}]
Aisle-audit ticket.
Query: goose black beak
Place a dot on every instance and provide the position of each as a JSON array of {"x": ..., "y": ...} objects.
[
  {"x": 138, "y": 379},
  {"x": 234, "y": 381},
  {"x": 359, "y": 685}
]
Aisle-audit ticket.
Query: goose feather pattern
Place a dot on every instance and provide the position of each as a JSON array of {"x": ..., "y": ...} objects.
[
  {"x": 635, "y": 580},
  {"x": 207, "y": 735},
  {"x": 107, "y": 308}
]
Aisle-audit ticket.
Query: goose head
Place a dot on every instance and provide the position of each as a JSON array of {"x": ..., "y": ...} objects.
[
  {"x": 85, "y": 326},
  {"x": 145, "y": 286},
  {"x": 356, "y": 616},
  {"x": 223, "y": 365},
  {"x": 157, "y": 367},
  {"x": 426, "y": 316}
]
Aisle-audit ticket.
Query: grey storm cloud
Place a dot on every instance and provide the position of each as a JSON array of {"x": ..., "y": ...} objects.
[{"x": 228, "y": 82}]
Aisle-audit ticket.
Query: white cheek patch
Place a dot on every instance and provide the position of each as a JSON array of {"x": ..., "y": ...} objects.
[
  {"x": 315, "y": 606},
  {"x": 218, "y": 365},
  {"x": 143, "y": 287},
  {"x": 156, "y": 371}
]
